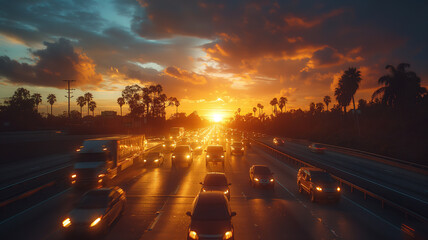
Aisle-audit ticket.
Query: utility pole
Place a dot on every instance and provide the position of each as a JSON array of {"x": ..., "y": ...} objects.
[{"x": 69, "y": 91}]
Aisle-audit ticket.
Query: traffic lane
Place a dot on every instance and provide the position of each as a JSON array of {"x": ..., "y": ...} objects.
[
  {"x": 381, "y": 187},
  {"x": 270, "y": 214},
  {"x": 358, "y": 175},
  {"x": 261, "y": 214},
  {"x": 172, "y": 221},
  {"x": 347, "y": 220},
  {"x": 409, "y": 182}
]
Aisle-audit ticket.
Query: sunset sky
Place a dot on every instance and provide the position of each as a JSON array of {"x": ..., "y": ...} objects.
[{"x": 214, "y": 56}]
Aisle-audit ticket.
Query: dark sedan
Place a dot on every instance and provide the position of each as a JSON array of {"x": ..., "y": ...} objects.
[
  {"x": 211, "y": 217},
  {"x": 318, "y": 184},
  {"x": 216, "y": 181},
  {"x": 154, "y": 159},
  {"x": 260, "y": 175}
]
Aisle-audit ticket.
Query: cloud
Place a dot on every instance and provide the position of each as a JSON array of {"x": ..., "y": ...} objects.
[
  {"x": 185, "y": 76},
  {"x": 58, "y": 61}
]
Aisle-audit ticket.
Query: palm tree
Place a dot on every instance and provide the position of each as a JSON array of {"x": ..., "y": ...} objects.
[
  {"x": 177, "y": 103},
  {"x": 282, "y": 103},
  {"x": 92, "y": 105},
  {"x": 51, "y": 100},
  {"x": 274, "y": 102},
  {"x": 239, "y": 111},
  {"x": 259, "y": 106},
  {"x": 401, "y": 87},
  {"x": 348, "y": 85},
  {"x": 88, "y": 97},
  {"x": 37, "y": 100},
  {"x": 121, "y": 102},
  {"x": 254, "y": 110},
  {"x": 81, "y": 101},
  {"x": 327, "y": 100}
]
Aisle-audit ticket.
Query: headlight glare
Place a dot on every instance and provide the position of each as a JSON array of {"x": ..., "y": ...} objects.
[
  {"x": 228, "y": 235},
  {"x": 95, "y": 222},
  {"x": 338, "y": 189},
  {"x": 319, "y": 189},
  {"x": 193, "y": 235},
  {"x": 66, "y": 222}
]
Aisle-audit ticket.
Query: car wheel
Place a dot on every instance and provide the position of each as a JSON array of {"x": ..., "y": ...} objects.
[
  {"x": 300, "y": 188},
  {"x": 313, "y": 197}
]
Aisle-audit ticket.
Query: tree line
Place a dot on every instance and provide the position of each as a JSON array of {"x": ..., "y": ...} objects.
[{"x": 392, "y": 122}]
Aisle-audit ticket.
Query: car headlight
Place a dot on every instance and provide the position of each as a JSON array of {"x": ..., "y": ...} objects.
[
  {"x": 232, "y": 148},
  {"x": 188, "y": 156},
  {"x": 203, "y": 190},
  {"x": 101, "y": 175},
  {"x": 95, "y": 222},
  {"x": 156, "y": 160},
  {"x": 242, "y": 149},
  {"x": 256, "y": 179},
  {"x": 193, "y": 235},
  {"x": 271, "y": 180},
  {"x": 226, "y": 192},
  {"x": 173, "y": 156},
  {"x": 228, "y": 235},
  {"x": 163, "y": 145},
  {"x": 73, "y": 175},
  {"x": 208, "y": 156},
  {"x": 145, "y": 160},
  {"x": 222, "y": 156},
  {"x": 338, "y": 189},
  {"x": 319, "y": 189},
  {"x": 66, "y": 222}
]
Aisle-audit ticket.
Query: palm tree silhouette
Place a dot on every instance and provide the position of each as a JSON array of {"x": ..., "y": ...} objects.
[
  {"x": 327, "y": 100},
  {"x": 81, "y": 101},
  {"x": 282, "y": 103},
  {"x": 401, "y": 87},
  {"x": 259, "y": 106},
  {"x": 239, "y": 111},
  {"x": 37, "y": 100},
  {"x": 51, "y": 100},
  {"x": 254, "y": 110},
  {"x": 177, "y": 103},
  {"x": 92, "y": 105},
  {"x": 121, "y": 102},
  {"x": 348, "y": 85},
  {"x": 88, "y": 97},
  {"x": 274, "y": 102}
]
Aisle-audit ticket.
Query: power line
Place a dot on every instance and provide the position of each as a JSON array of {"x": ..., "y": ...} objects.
[{"x": 69, "y": 92}]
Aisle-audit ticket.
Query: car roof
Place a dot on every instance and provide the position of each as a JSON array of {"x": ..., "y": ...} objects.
[
  {"x": 263, "y": 166},
  {"x": 215, "y": 173}
]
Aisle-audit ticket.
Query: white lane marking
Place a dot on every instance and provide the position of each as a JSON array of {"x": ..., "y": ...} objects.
[
  {"x": 372, "y": 213},
  {"x": 245, "y": 196},
  {"x": 152, "y": 226},
  {"x": 285, "y": 189},
  {"x": 176, "y": 190},
  {"x": 334, "y": 233},
  {"x": 32, "y": 207}
]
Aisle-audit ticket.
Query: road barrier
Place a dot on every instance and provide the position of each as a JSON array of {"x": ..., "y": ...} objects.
[{"x": 353, "y": 187}]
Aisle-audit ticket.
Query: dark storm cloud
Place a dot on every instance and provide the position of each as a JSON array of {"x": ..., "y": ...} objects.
[
  {"x": 338, "y": 32},
  {"x": 58, "y": 61}
]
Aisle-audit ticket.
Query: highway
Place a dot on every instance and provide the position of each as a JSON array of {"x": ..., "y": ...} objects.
[{"x": 158, "y": 199}]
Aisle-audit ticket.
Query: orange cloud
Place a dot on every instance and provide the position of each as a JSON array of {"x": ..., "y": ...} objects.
[{"x": 185, "y": 76}]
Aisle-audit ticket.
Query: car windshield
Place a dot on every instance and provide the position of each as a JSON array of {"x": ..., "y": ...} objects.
[
  {"x": 93, "y": 200},
  {"x": 321, "y": 177},
  {"x": 212, "y": 211},
  {"x": 215, "y": 149},
  {"x": 215, "y": 180},
  {"x": 181, "y": 149},
  {"x": 261, "y": 170}
]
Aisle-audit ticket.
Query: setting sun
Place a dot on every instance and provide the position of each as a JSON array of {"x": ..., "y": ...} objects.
[{"x": 217, "y": 117}]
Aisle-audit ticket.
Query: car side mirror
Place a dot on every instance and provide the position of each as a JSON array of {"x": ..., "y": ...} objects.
[
  {"x": 232, "y": 214},
  {"x": 188, "y": 214}
]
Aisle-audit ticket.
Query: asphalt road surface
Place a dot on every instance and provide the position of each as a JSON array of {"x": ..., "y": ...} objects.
[{"x": 158, "y": 199}]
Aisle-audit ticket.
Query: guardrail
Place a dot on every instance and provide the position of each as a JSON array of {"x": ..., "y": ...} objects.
[
  {"x": 419, "y": 168},
  {"x": 352, "y": 186}
]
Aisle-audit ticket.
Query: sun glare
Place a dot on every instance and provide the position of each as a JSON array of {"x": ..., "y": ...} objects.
[{"x": 217, "y": 117}]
